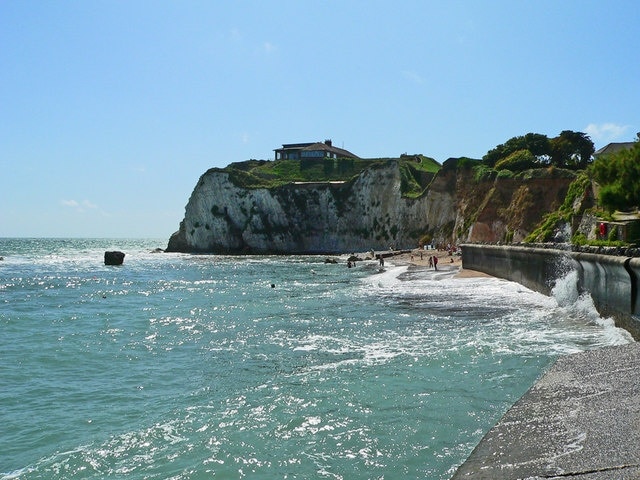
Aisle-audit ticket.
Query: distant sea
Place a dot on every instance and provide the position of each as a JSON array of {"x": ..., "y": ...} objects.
[{"x": 177, "y": 366}]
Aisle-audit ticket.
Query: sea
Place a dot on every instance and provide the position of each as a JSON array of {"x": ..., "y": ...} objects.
[{"x": 176, "y": 366}]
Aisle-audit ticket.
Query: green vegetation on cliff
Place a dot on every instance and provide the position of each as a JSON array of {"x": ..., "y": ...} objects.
[
  {"x": 617, "y": 179},
  {"x": 545, "y": 231},
  {"x": 569, "y": 149},
  {"x": 416, "y": 171},
  {"x": 618, "y": 175},
  {"x": 514, "y": 189}
]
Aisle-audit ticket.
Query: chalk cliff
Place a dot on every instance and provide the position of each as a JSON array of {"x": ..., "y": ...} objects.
[{"x": 367, "y": 212}]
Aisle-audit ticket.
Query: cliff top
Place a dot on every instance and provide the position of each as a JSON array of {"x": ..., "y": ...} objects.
[{"x": 274, "y": 173}]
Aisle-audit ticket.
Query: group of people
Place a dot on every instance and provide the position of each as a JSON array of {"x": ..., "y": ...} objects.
[{"x": 433, "y": 260}]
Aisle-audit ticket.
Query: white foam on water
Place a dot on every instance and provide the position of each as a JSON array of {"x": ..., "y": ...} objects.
[
  {"x": 565, "y": 291},
  {"x": 525, "y": 321},
  {"x": 387, "y": 277},
  {"x": 571, "y": 301}
]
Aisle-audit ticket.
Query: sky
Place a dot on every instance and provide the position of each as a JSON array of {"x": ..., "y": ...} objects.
[{"x": 111, "y": 110}]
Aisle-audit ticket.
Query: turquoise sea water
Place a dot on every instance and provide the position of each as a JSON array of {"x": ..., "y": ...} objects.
[{"x": 194, "y": 367}]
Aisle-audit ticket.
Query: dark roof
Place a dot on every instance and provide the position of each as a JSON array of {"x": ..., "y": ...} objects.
[
  {"x": 613, "y": 148},
  {"x": 325, "y": 146},
  {"x": 329, "y": 148},
  {"x": 287, "y": 146}
]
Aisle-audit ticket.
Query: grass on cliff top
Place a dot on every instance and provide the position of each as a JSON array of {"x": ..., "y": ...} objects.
[{"x": 270, "y": 174}]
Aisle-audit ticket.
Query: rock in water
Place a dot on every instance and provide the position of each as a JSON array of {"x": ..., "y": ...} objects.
[{"x": 113, "y": 258}]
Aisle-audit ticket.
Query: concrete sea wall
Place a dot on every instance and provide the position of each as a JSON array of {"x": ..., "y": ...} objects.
[
  {"x": 579, "y": 421},
  {"x": 612, "y": 281}
]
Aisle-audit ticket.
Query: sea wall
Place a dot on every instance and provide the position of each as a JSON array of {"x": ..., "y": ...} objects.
[
  {"x": 579, "y": 421},
  {"x": 612, "y": 281}
]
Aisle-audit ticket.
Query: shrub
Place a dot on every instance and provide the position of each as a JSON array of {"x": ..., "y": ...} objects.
[
  {"x": 505, "y": 174},
  {"x": 619, "y": 177},
  {"x": 579, "y": 239},
  {"x": 518, "y": 161},
  {"x": 482, "y": 173}
]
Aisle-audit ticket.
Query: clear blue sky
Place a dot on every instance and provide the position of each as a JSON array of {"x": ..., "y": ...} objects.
[{"x": 111, "y": 110}]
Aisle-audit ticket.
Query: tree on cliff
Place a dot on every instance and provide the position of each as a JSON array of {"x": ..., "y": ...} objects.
[
  {"x": 618, "y": 175},
  {"x": 571, "y": 150},
  {"x": 537, "y": 144},
  {"x": 568, "y": 150}
]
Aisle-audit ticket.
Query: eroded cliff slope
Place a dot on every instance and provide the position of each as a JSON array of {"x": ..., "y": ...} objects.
[
  {"x": 320, "y": 217},
  {"x": 367, "y": 212}
]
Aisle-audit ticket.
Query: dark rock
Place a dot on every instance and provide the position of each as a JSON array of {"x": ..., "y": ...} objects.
[
  {"x": 157, "y": 250},
  {"x": 178, "y": 241},
  {"x": 113, "y": 258},
  {"x": 330, "y": 260}
]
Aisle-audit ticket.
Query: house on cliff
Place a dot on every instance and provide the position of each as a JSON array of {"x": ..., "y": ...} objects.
[
  {"x": 299, "y": 151},
  {"x": 613, "y": 148},
  {"x": 625, "y": 226}
]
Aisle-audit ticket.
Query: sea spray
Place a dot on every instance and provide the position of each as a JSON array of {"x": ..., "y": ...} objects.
[
  {"x": 580, "y": 305},
  {"x": 565, "y": 291}
]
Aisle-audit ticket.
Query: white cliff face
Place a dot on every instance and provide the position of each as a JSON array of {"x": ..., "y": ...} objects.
[{"x": 368, "y": 212}]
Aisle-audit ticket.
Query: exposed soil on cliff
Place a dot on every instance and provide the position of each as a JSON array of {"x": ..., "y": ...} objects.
[{"x": 507, "y": 209}]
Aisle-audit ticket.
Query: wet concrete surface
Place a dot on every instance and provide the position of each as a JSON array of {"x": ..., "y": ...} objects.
[{"x": 581, "y": 420}]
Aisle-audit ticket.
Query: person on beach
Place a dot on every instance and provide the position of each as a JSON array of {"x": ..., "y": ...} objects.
[
  {"x": 430, "y": 261},
  {"x": 381, "y": 260},
  {"x": 435, "y": 262}
]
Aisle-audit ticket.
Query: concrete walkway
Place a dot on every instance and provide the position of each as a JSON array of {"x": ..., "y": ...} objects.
[{"x": 581, "y": 420}]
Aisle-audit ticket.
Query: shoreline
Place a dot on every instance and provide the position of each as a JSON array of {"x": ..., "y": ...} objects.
[
  {"x": 559, "y": 427},
  {"x": 444, "y": 260}
]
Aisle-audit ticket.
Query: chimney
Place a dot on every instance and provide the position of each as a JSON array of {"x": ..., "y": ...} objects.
[{"x": 327, "y": 142}]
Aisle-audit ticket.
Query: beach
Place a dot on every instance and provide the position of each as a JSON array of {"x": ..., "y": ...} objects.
[{"x": 445, "y": 260}]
